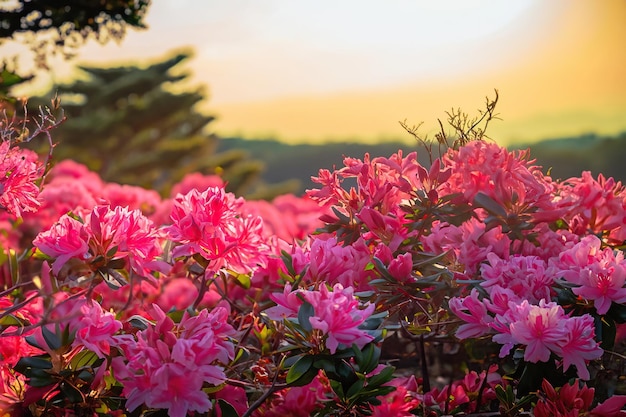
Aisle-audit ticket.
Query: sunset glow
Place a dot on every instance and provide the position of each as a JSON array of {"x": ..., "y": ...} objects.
[{"x": 304, "y": 71}]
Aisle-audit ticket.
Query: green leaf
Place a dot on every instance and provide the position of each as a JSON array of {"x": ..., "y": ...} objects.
[
  {"x": 72, "y": 393},
  {"x": 227, "y": 409},
  {"x": 618, "y": 312},
  {"x": 24, "y": 364},
  {"x": 325, "y": 364},
  {"x": 305, "y": 312},
  {"x": 52, "y": 340},
  {"x": 374, "y": 321},
  {"x": 11, "y": 320},
  {"x": 139, "y": 322},
  {"x": 40, "y": 381},
  {"x": 382, "y": 377},
  {"x": 355, "y": 388},
  {"x": 33, "y": 342},
  {"x": 244, "y": 281},
  {"x": 489, "y": 204},
  {"x": 83, "y": 358},
  {"x": 371, "y": 355},
  {"x": 299, "y": 369}
]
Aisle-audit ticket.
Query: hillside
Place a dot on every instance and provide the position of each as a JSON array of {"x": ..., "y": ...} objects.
[{"x": 564, "y": 157}]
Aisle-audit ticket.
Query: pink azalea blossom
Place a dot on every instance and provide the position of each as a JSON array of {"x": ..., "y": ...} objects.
[
  {"x": 95, "y": 329},
  {"x": 600, "y": 274},
  {"x": 579, "y": 345},
  {"x": 474, "y": 312},
  {"x": 211, "y": 224},
  {"x": 167, "y": 365},
  {"x": 108, "y": 234},
  {"x": 337, "y": 314},
  {"x": 67, "y": 239},
  {"x": 401, "y": 401},
  {"x": 332, "y": 262},
  {"x": 19, "y": 172},
  {"x": 527, "y": 275},
  {"x": 540, "y": 328}
]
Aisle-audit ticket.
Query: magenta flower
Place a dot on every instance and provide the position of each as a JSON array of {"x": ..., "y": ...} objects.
[
  {"x": 108, "y": 234},
  {"x": 66, "y": 239},
  {"x": 337, "y": 314},
  {"x": 474, "y": 312},
  {"x": 167, "y": 365},
  {"x": 95, "y": 329},
  {"x": 19, "y": 171},
  {"x": 211, "y": 224}
]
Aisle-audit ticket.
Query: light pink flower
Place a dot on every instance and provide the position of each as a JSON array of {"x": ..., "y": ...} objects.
[
  {"x": 474, "y": 312},
  {"x": 599, "y": 273},
  {"x": 540, "y": 328},
  {"x": 579, "y": 344},
  {"x": 527, "y": 275}
]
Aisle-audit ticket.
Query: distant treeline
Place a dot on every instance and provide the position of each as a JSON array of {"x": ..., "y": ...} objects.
[{"x": 564, "y": 157}]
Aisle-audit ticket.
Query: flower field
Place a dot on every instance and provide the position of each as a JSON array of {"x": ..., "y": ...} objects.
[{"x": 116, "y": 301}]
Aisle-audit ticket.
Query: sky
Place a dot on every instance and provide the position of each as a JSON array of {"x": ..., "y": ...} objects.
[{"x": 329, "y": 70}]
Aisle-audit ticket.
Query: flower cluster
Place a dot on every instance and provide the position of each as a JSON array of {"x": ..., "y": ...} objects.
[
  {"x": 358, "y": 299},
  {"x": 106, "y": 236},
  {"x": 20, "y": 170},
  {"x": 167, "y": 364},
  {"x": 336, "y": 314}
]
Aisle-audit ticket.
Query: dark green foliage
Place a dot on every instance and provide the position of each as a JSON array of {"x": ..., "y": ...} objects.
[{"x": 61, "y": 26}]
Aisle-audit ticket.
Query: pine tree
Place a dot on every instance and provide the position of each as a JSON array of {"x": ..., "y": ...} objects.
[{"x": 137, "y": 125}]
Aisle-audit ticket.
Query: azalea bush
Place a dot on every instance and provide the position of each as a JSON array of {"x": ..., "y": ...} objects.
[{"x": 476, "y": 284}]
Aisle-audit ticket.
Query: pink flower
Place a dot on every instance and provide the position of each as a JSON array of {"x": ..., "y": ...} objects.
[
  {"x": 196, "y": 181},
  {"x": 19, "y": 171},
  {"x": 527, "y": 275},
  {"x": 211, "y": 224},
  {"x": 509, "y": 178},
  {"x": 399, "y": 402},
  {"x": 132, "y": 197},
  {"x": 474, "y": 312},
  {"x": 178, "y": 390},
  {"x": 334, "y": 263},
  {"x": 167, "y": 365},
  {"x": 599, "y": 273},
  {"x": 67, "y": 239},
  {"x": 579, "y": 344},
  {"x": 110, "y": 234},
  {"x": 337, "y": 314},
  {"x": 95, "y": 329},
  {"x": 287, "y": 304},
  {"x": 540, "y": 328}
]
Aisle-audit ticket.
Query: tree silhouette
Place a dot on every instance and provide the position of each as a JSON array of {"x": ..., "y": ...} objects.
[{"x": 54, "y": 26}]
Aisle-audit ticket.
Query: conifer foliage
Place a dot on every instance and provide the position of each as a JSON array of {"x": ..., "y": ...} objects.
[{"x": 149, "y": 115}]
